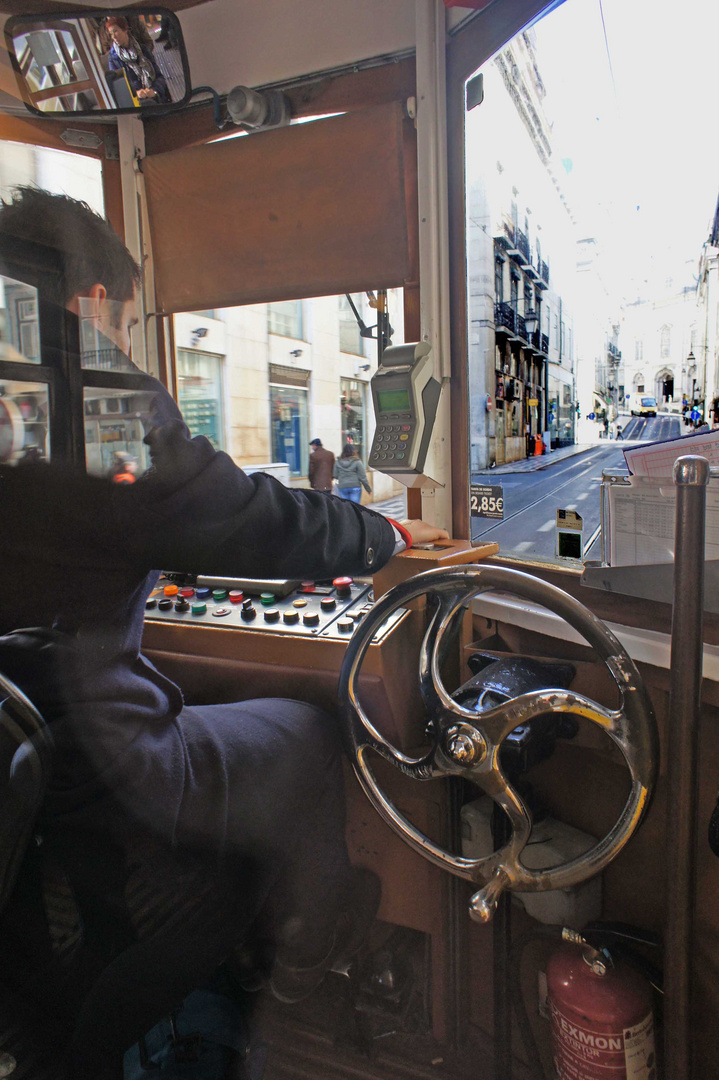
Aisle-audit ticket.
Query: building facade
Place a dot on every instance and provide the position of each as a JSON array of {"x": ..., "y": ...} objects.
[
  {"x": 661, "y": 353},
  {"x": 262, "y": 381},
  {"x": 522, "y": 371}
]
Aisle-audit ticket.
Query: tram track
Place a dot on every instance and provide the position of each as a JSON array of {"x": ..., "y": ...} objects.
[{"x": 591, "y": 464}]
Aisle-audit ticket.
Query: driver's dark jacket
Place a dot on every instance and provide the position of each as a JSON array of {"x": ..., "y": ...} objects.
[{"x": 80, "y": 555}]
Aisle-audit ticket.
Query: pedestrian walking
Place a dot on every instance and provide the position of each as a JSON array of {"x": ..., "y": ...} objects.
[
  {"x": 350, "y": 474},
  {"x": 322, "y": 463},
  {"x": 619, "y": 432}
]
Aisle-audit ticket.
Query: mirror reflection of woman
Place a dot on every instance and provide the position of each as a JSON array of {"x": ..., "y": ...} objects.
[{"x": 136, "y": 60}]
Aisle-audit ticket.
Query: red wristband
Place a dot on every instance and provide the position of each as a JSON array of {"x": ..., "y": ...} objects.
[{"x": 404, "y": 533}]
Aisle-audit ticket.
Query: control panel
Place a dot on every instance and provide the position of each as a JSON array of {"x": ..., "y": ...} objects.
[{"x": 324, "y": 609}]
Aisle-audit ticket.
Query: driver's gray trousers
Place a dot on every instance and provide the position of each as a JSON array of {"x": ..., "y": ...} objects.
[{"x": 262, "y": 807}]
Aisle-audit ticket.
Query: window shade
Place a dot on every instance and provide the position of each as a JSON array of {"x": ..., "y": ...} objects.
[{"x": 313, "y": 209}]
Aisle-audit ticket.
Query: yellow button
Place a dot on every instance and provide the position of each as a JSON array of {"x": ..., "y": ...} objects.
[
  {"x": 299, "y": 603},
  {"x": 403, "y": 438},
  {"x": 170, "y": 590}
]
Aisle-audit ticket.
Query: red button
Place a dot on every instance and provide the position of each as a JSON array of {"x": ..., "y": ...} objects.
[
  {"x": 307, "y": 586},
  {"x": 342, "y": 584},
  {"x": 187, "y": 591},
  {"x": 236, "y": 596}
]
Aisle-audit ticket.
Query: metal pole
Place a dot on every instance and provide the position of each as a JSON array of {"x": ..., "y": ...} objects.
[
  {"x": 502, "y": 958},
  {"x": 691, "y": 476}
]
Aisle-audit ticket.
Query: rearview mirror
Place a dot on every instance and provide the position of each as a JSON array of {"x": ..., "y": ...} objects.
[{"x": 94, "y": 63}]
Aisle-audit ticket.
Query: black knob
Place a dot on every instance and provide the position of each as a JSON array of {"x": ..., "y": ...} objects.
[
  {"x": 272, "y": 615},
  {"x": 311, "y": 618},
  {"x": 248, "y": 613},
  {"x": 345, "y": 626},
  {"x": 291, "y": 616},
  {"x": 151, "y": 602},
  {"x": 165, "y": 604},
  {"x": 328, "y": 603},
  {"x": 182, "y": 605}
]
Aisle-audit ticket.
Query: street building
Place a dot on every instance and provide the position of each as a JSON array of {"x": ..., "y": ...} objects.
[{"x": 522, "y": 361}]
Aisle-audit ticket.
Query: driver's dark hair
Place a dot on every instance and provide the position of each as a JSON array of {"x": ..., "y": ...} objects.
[{"x": 90, "y": 251}]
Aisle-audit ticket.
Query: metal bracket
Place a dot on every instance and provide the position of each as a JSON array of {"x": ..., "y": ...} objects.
[{"x": 85, "y": 139}]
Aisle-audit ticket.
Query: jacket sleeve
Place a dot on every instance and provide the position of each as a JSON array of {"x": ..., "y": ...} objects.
[{"x": 197, "y": 511}]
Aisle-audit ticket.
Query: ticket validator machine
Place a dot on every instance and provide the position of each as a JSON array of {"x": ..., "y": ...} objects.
[{"x": 405, "y": 395}]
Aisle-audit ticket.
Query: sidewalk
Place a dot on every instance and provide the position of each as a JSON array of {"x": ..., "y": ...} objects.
[
  {"x": 395, "y": 508},
  {"x": 541, "y": 461}
]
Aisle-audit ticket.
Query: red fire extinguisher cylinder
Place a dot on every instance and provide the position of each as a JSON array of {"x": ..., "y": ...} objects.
[{"x": 601, "y": 1017}]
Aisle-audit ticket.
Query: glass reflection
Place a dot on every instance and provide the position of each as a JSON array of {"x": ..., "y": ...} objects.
[
  {"x": 19, "y": 324},
  {"x": 105, "y": 333},
  {"x": 90, "y": 64},
  {"x": 116, "y": 422},
  {"x": 23, "y": 422}
]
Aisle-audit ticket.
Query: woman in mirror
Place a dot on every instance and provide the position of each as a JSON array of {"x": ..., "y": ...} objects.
[{"x": 136, "y": 60}]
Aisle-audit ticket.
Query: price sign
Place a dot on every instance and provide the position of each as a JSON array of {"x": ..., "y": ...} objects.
[{"x": 486, "y": 501}]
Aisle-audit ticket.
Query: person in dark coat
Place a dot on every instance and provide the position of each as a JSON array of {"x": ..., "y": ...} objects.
[
  {"x": 322, "y": 463},
  {"x": 253, "y": 787},
  {"x": 136, "y": 60}
]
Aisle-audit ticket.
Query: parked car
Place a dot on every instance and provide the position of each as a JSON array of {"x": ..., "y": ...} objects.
[{"x": 643, "y": 405}]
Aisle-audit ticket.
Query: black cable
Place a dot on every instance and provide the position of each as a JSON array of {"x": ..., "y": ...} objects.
[
  {"x": 551, "y": 933},
  {"x": 220, "y": 120}
]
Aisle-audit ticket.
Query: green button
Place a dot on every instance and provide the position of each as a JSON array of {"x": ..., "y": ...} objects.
[
  {"x": 199, "y": 609},
  {"x": 267, "y": 598},
  {"x": 219, "y": 594}
]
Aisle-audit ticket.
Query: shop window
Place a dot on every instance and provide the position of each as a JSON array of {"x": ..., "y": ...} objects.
[
  {"x": 199, "y": 384},
  {"x": 353, "y": 403},
  {"x": 290, "y": 437}
]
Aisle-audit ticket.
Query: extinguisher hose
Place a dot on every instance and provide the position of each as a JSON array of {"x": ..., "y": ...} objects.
[{"x": 551, "y": 933}]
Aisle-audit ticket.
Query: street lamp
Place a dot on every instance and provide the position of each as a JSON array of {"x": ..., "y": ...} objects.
[
  {"x": 531, "y": 322},
  {"x": 692, "y": 371}
]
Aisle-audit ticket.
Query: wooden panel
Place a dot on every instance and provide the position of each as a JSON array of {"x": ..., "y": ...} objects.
[
  {"x": 308, "y": 210},
  {"x": 310, "y": 97},
  {"x": 38, "y": 132}
]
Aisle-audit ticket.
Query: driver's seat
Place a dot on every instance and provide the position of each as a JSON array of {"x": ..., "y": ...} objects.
[
  {"x": 150, "y": 925},
  {"x": 25, "y": 761}
]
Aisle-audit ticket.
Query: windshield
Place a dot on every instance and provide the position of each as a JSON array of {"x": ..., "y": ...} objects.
[{"x": 591, "y": 263}]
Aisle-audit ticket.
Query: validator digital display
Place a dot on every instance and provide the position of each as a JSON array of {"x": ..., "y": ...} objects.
[{"x": 393, "y": 401}]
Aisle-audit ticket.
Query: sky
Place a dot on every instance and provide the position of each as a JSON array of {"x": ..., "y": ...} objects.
[{"x": 634, "y": 128}]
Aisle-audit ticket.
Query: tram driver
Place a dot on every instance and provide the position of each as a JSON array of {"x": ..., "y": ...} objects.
[{"x": 253, "y": 787}]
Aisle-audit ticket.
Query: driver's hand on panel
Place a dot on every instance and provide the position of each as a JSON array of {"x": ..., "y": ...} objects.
[{"x": 424, "y": 533}]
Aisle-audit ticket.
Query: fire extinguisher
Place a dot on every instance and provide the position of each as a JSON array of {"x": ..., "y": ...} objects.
[
  {"x": 600, "y": 1003},
  {"x": 601, "y": 1015}
]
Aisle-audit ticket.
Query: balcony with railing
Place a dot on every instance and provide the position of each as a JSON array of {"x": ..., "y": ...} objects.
[
  {"x": 543, "y": 274},
  {"x": 504, "y": 317},
  {"x": 521, "y": 327}
]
